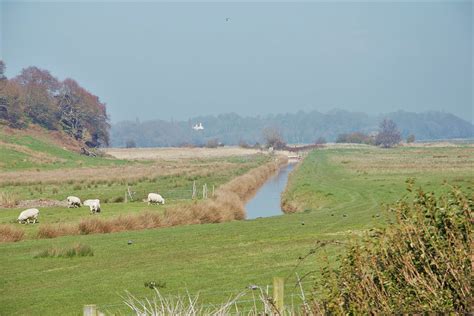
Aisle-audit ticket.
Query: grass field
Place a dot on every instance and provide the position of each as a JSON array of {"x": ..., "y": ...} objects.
[
  {"x": 338, "y": 192},
  {"x": 356, "y": 181}
]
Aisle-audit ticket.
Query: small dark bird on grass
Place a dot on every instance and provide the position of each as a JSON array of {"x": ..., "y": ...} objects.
[
  {"x": 130, "y": 242},
  {"x": 302, "y": 223},
  {"x": 344, "y": 215}
]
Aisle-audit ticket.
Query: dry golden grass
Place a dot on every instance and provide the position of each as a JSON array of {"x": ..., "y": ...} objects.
[
  {"x": 8, "y": 199},
  {"x": 228, "y": 204},
  {"x": 9, "y": 233},
  {"x": 126, "y": 173},
  {"x": 170, "y": 153},
  {"x": 460, "y": 160},
  {"x": 56, "y": 230}
]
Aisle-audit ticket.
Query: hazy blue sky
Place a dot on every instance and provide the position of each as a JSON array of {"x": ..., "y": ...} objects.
[{"x": 177, "y": 60}]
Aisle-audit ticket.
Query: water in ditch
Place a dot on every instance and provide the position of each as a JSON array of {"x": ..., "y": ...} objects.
[{"x": 266, "y": 202}]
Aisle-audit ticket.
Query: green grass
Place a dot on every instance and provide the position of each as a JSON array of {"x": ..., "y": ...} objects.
[
  {"x": 77, "y": 250},
  {"x": 53, "y": 157},
  {"x": 357, "y": 182},
  {"x": 219, "y": 260}
]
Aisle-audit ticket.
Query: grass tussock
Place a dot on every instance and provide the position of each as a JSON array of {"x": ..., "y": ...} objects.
[
  {"x": 228, "y": 204},
  {"x": 9, "y": 233},
  {"x": 420, "y": 264},
  {"x": 77, "y": 250},
  {"x": 56, "y": 230},
  {"x": 8, "y": 199}
]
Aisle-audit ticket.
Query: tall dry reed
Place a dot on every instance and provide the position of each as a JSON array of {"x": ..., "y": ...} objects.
[
  {"x": 8, "y": 199},
  {"x": 9, "y": 233}
]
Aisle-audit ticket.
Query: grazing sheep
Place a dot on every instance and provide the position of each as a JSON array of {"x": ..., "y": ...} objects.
[
  {"x": 94, "y": 205},
  {"x": 73, "y": 201},
  {"x": 155, "y": 198},
  {"x": 27, "y": 215}
]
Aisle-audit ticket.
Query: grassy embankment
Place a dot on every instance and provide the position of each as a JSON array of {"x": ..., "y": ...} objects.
[{"x": 338, "y": 190}]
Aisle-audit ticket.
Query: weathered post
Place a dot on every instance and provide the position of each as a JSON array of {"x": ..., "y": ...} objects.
[
  {"x": 194, "y": 190},
  {"x": 129, "y": 193},
  {"x": 90, "y": 310},
  {"x": 204, "y": 191},
  {"x": 278, "y": 293},
  {"x": 126, "y": 197},
  {"x": 213, "y": 190}
]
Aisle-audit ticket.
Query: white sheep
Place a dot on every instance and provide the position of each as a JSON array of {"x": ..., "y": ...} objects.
[
  {"x": 155, "y": 198},
  {"x": 27, "y": 215},
  {"x": 94, "y": 205},
  {"x": 73, "y": 201}
]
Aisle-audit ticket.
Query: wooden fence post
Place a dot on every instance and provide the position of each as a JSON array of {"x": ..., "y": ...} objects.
[
  {"x": 129, "y": 193},
  {"x": 212, "y": 190},
  {"x": 194, "y": 190},
  {"x": 90, "y": 310},
  {"x": 126, "y": 197},
  {"x": 204, "y": 191},
  {"x": 278, "y": 293}
]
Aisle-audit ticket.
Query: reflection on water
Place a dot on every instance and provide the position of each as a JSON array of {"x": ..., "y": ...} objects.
[{"x": 267, "y": 200}]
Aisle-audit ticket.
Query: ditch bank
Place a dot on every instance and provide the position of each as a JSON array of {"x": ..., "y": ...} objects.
[{"x": 267, "y": 201}]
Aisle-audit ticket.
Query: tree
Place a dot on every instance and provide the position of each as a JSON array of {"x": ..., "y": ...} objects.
[
  {"x": 320, "y": 141},
  {"x": 355, "y": 138},
  {"x": 212, "y": 143},
  {"x": 411, "y": 138},
  {"x": 273, "y": 138},
  {"x": 2, "y": 70},
  {"x": 388, "y": 135},
  {"x": 12, "y": 104},
  {"x": 130, "y": 143},
  {"x": 39, "y": 88},
  {"x": 82, "y": 115}
]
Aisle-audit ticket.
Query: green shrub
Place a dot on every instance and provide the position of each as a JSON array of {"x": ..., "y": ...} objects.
[{"x": 420, "y": 264}]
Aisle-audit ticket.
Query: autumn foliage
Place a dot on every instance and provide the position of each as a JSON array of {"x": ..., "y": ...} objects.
[{"x": 35, "y": 96}]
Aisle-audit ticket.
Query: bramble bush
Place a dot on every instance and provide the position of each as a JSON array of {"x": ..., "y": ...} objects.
[{"x": 422, "y": 263}]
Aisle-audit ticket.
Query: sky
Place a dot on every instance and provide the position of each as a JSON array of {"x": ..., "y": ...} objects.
[{"x": 163, "y": 60}]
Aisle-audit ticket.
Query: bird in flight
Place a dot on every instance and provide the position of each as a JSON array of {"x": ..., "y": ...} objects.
[{"x": 227, "y": 19}]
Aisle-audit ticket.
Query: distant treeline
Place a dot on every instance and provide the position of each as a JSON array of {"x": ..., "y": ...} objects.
[
  {"x": 300, "y": 127},
  {"x": 35, "y": 96}
]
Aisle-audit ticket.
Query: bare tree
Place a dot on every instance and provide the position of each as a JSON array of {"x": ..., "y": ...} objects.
[
  {"x": 2, "y": 70},
  {"x": 388, "y": 135},
  {"x": 273, "y": 138},
  {"x": 320, "y": 141},
  {"x": 130, "y": 143}
]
